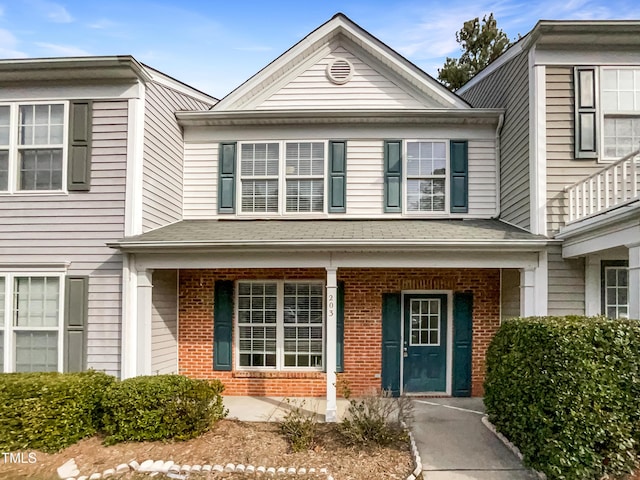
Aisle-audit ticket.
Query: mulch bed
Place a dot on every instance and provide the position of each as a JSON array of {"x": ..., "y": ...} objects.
[{"x": 228, "y": 442}]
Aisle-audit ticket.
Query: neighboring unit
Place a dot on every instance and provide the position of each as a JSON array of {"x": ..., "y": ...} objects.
[
  {"x": 569, "y": 156},
  {"x": 90, "y": 151}
]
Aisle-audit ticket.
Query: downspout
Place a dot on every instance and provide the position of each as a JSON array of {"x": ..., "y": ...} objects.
[{"x": 498, "y": 162}]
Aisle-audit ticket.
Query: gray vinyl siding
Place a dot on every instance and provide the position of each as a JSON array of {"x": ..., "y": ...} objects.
[
  {"x": 566, "y": 284},
  {"x": 508, "y": 87},
  {"x": 164, "y": 322},
  {"x": 163, "y": 155},
  {"x": 73, "y": 228},
  {"x": 562, "y": 168}
]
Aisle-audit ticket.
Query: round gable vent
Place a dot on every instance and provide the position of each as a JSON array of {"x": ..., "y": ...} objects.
[{"x": 339, "y": 71}]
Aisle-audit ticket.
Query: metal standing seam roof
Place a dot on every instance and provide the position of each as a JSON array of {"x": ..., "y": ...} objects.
[{"x": 330, "y": 232}]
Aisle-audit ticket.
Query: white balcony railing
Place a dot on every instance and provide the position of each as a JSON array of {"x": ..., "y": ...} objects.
[{"x": 611, "y": 187}]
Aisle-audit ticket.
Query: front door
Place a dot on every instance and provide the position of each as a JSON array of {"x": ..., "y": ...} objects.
[{"x": 425, "y": 343}]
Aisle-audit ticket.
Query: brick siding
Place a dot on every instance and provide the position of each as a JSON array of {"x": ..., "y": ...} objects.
[{"x": 362, "y": 326}]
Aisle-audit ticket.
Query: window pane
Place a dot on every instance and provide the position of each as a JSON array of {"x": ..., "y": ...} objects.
[
  {"x": 305, "y": 195},
  {"x": 256, "y": 324},
  {"x": 41, "y": 124},
  {"x": 425, "y": 322},
  {"x": 36, "y": 301},
  {"x": 621, "y": 135},
  {"x": 36, "y": 351},
  {"x": 4, "y": 170},
  {"x": 259, "y": 159},
  {"x": 2, "y": 301},
  {"x": 4, "y": 125},
  {"x": 616, "y": 291},
  {"x": 259, "y": 195},
  {"x": 426, "y": 195},
  {"x": 305, "y": 158},
  {"x": 303, "y": 331},
  {"x": 41, "y": 169}
]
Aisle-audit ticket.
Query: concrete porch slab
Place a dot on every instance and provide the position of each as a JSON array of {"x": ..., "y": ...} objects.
[{"x": 273, "y": 409}]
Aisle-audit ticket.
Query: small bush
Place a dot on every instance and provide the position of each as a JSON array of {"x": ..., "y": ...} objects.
[
  {"x": 375, "y": 419},
  {"x": 49, "y": 411},
  {"x": 566, "y": 391},
  {"x": 161, "y": 407},
  {"x": 299, "y": 427}
]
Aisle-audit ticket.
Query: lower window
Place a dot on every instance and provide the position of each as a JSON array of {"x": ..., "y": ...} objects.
[
  {"x": 280, "y": 324},
  {"x": 30, "y": 322},
  {"x": 615, "y": 289}
]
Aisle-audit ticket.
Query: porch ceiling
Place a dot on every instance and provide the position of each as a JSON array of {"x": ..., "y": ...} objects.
[{"x": 333, "y": 234}]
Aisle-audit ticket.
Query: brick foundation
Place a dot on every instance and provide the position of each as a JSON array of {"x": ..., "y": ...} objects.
[{"x": 362, "y": 326}]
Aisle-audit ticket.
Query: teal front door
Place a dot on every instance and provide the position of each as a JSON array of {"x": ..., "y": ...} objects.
[{"x": 425, "y": 343}]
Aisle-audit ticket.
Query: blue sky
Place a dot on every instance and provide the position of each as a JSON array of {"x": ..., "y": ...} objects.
[{"x": 216, "y": 45}]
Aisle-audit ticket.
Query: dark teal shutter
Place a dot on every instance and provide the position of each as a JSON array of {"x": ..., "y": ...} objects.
[
  {"x": 393, "y": 176},
  {"x": 391, "y": 344},
  {"x": 222, "y": 324},
  {"x": 227, "y": 178},
  {"x": 462, "y": 339},
  {"x": 586, "y": 110},
  {"x": 340, "y": 328},
  {"x": 459, "y": 176},
  {"x": 76, "y": 292},
  {"x": 79, "y": 165},
  {"x": 337, "y": 177}
]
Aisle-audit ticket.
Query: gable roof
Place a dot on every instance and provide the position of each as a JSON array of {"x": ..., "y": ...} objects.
[{"x": 313, "y": 48}]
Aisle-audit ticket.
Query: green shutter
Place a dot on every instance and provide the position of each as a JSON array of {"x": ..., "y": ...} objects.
[
  {"x": 459, "y": 176},
  {"x": 340, "y": 328},
  {"x": 393, "y": 176},
  {"x": 227, "y": 178},
  {"x": 391, "y": 342},
  {"x": 222, "y": 324},
  {"x": 337, "y": 177},
  {"x": 585, "y": 101},
  {"x": 79, "y": 165},
  {"x": 462, "y": 340},
  {"x": 75, "y": 323}
]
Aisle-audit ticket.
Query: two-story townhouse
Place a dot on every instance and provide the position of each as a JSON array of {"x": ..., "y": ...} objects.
[
  {"x": 569, "y": 164},
  {"x": 340, "y": 216},
  {"x": 90, "y": 151}
]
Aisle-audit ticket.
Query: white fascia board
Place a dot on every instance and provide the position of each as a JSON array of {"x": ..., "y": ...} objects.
[
  {"x": 344, "y": 259},
  {"x": 615, "y": 236},
  {"x": 626, "y": 214}
]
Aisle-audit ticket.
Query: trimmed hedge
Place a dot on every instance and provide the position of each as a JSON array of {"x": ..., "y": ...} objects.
[
  {"x": 49, "y": 411},
  {"x": 566, "y": 391},
  {"x": 161, "y": 407}
]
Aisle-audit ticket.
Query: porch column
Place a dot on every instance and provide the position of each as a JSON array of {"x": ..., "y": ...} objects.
[
  {"x": 592, "y": 293},
  {"x": 143, "y": 322},
  {"x": 331, "y": 414},
  {"x": 534, "y": 288},
  {"x": 634, "y": 282}
]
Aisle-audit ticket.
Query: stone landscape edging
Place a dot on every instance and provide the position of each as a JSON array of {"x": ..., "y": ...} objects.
[
  {"x": 516, "y": 451},
  {"x": 415, "y": 454}
]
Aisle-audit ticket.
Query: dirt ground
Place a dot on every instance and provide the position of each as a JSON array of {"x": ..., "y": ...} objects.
[{"x": 228, "y": 442}]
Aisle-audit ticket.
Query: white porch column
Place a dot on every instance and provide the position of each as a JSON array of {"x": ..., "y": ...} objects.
[
  {"x": 592, "y": 294},
  {"x": 331, "y": 415},
  {"x": 634, "y": 282},
  {"x": 534, "y": 288},
  {"x": 143, "y": 322}
]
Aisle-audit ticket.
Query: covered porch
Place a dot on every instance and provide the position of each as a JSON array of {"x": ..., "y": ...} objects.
[
  {"x": 376, "y": 303},
  {"x": 604, "y": 228}
]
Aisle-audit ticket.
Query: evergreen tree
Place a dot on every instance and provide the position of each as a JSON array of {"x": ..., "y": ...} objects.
[{"x": 481, "y": 44}]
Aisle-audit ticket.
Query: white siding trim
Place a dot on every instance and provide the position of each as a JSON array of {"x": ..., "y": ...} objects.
[
  {"x": 634, "y": 281},
  {"x": 135, "y": 154},
  {"x": 592, "y": 289},
  {"x": 331, "y": 414},
  {"x": 537, "y": 146},
  {"x": 128, "y": 332}
]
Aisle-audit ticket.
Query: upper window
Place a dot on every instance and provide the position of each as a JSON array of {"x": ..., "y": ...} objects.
[
  {"x": 280, "y": 324},
  {"x": 32, "y": 146},
  {"x": 30, "y": 323},
  {"x": 620, "y": 105},
  {"x": 426, "y": 176},
  {"x": 278, "y": 177},
  {"x": 615, "y": 289}
]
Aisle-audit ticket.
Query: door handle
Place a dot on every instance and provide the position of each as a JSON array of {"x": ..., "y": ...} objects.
[{"x": 405, "y": 352}]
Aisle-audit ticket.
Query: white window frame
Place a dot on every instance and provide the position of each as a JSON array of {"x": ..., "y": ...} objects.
[
  {"x": 280, "y": 367},
  {"x": 606, "y": 286},
  {"x": 405, "y": 178},
  {"x": 10, "y": 329},
  {"x": 13, "y": 184},
  {"x": 282, "y": 180},
  {"x": 616, "y": 113}
]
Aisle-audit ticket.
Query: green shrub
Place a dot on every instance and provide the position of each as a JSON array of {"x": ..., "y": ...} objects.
[
  {"x": 161, "y": 407},
  {"x": 566, "y": 391},
  {"x": 49, "y": 411},
  {"x": 375, "y": 419},
  {"x": 299, "y": 427}
]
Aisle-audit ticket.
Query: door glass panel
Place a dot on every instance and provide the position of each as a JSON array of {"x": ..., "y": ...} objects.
[{"x": 425, "y": 322}]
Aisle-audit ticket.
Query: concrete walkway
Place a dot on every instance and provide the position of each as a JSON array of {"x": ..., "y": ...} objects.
[
  {"x": 453, "y": 442},
  {"x": 455, "y": 445}
]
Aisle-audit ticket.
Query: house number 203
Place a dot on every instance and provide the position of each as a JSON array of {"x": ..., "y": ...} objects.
[{"x": 331, "y": 305}]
